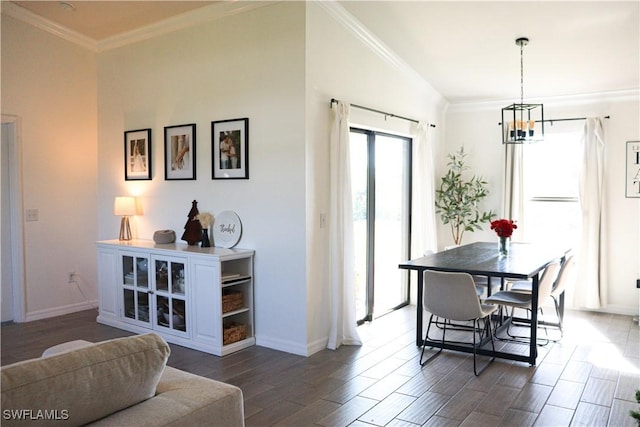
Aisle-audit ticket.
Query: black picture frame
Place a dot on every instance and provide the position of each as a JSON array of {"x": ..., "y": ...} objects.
[
  {"x": 632, "y": 183},
  {"x": 180, "y": 152},
  {"x": 230, "y": 149},
  {"x": 137, "y": 155}
]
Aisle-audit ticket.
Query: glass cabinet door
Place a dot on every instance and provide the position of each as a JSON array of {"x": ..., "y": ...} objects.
[
  {"x": 162, "y": 275},
  {"x": 170, "y": 298},
  {"x": 135, "y": 283}
]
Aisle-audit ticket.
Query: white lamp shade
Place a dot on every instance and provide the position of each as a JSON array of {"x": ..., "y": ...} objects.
[{"x": 124, "y": 205}]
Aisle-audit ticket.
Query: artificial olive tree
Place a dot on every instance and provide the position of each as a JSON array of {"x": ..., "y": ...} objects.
[{"x": 458, "y": 198}]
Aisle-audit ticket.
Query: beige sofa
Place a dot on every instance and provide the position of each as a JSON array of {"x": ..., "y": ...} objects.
[{"x": 120, "y": 382}]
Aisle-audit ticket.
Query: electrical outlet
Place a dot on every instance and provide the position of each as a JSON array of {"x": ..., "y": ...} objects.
[{"x": 31, "y": 214}]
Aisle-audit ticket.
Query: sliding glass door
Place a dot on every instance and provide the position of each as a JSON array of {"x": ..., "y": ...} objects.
[{"x": 381, "y": 185}]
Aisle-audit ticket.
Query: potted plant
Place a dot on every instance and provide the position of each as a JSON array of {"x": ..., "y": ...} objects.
[
  {"x": 458, "y": 198},
  {"x": 635, "y": 414}
]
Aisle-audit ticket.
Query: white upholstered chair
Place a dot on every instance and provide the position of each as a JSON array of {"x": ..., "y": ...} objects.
[
  {"x": 453, "y": 297},
  {"x": 565, "y": 278},
  {"x": 515, "y": 299}
]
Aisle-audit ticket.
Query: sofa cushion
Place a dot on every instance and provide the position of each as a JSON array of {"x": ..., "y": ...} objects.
[
  {"x": 80, "y": 386},
  {"x": 183, "y": 399}
]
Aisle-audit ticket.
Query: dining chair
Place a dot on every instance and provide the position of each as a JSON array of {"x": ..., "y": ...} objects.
[
  {"x": 481, "y": 282},
  {"x": 524, "y": 300},
  {"x": 525, "y": 285},
  {"x": 482, "y": 286},
  {"x": 565, "y": 277},
  {"x": 453, "y": 297}
]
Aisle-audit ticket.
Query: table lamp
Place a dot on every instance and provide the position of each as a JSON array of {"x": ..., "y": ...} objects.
[{"x": 124, "y": 206}]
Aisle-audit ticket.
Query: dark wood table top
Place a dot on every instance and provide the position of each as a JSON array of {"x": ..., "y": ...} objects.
[{"x": 523, "y": 261}]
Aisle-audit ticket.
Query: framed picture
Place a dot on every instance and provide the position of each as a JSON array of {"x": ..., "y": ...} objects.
[
  {"x": 180, "y": 152},
  {"x": 137, "y": 154},
  {"x": 230, "y": 149},
  {"x": 633, "y": 169}
]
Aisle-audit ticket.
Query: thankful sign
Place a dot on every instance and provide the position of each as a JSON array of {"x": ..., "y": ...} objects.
[{"x": 227, "y": 228}]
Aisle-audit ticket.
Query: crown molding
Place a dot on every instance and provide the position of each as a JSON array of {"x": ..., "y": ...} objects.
[
  {"x": 182, "y": 21},
  {"x": 22, "y": 14},
  {"x": 178, "y": 22},
  {"x": 586, "y": 98},
  {"x": 349, "y": 22}
]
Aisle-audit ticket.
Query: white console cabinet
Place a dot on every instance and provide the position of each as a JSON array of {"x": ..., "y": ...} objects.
[{"x": 201, "y": 298}]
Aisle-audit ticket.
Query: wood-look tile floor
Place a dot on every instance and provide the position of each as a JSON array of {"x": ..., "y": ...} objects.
[{"x": 588, "y": 378}]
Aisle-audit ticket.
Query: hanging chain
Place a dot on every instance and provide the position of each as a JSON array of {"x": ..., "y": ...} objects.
[{"x": 521, "y": 73}]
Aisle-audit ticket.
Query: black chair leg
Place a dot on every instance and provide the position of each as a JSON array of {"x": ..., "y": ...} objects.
[
  {"x": 487, "y": 326},
  {"x": 426, "y": 338},
  {"x": 541, "y": 342},
  {"x": 555, "y": 302}
]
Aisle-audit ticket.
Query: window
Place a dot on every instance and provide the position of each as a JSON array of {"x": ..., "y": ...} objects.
[
  {"x": 551, "y": 197},
  {"x": 381, "y": 186}
]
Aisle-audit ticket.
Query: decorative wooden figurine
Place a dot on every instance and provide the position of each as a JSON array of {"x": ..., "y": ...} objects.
[{"x": 193, "y": 229}]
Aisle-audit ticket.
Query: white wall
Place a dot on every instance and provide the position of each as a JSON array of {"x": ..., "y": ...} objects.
[
  {"x": 340, "y": 66},
  {"x": 476, "y": 126},
  {"x": 51, "y": 85},
  {"x": 246, "y": 65}
]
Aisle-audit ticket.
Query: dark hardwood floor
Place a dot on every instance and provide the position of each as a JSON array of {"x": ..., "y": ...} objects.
[{"x": 588, "y": 378}]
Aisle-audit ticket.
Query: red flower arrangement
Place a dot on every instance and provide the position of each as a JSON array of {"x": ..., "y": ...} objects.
[{"x": 503, "y": 227}]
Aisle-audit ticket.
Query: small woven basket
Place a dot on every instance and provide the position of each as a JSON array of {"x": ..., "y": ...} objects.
[
  {"x": 231, "y": 300},
  {"x": 233, "y": 332}
]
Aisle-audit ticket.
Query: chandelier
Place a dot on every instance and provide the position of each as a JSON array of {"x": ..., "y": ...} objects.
[{"x": 522, "y": 123}]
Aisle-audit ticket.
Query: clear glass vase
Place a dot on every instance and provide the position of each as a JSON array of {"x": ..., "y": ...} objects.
[{"x": 503, "y": 247}]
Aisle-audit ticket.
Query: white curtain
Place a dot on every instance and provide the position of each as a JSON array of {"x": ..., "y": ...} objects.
[
  {"x": 341, "y": 244},
  {"x": 513, "y": 197},
  {"x": 591, "y": 291},
  {"x": 423, "y": 227}
]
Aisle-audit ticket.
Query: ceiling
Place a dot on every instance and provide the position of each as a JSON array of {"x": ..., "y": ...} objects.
[
  {"x": 99, "y": 20},
  {"x": 465, "y": 49}
]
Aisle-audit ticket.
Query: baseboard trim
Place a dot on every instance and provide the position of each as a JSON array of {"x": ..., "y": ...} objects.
[
  {"x": 59, "y": 311},
  {"x": 317, "y": 345},
  {"x": 622, "y": 310},
  {"x": 282, "y": 345}
]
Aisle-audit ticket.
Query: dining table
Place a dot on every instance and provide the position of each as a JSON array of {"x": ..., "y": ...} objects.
[{"x": 524, "y": 261}]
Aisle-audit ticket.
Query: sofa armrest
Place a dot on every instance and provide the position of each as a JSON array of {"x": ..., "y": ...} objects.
[{"x": 184, "y": 399}]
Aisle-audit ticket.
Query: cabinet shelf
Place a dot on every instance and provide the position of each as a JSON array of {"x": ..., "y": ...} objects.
[
  {"x": 240, "y": 344},
  {"x": 234, "y": 312},
  {"x": 235, "y": 281}
]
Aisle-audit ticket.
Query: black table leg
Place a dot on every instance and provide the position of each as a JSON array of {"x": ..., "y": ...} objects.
[
  {"x": 533, "y": 350},
  {"x": 419, "y": 308}
]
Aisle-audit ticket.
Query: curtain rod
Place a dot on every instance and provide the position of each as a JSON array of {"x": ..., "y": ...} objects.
[
  {"x": 333, "y": 101},
  {"x": 561, "y": 120},
  {"x": 566, "y": 120}
]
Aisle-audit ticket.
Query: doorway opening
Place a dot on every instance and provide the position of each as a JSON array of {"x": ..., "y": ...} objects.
[{"x": 11, "y": 251}]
